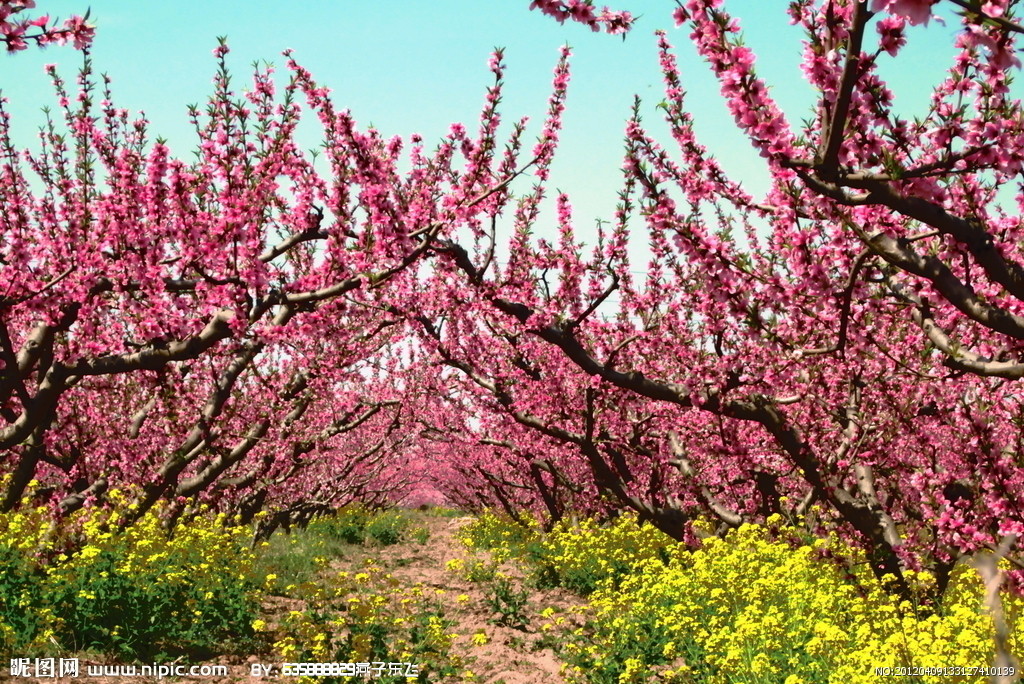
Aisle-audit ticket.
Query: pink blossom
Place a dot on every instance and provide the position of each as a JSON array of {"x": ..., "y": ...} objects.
[
  {"x": 582, "y": 11},
  {"x": 891, "y": 30},
  {"x": 16, "y": 36},
  {"x": 916, "y": 11},
  {"x": 994, "y": 8},
  {"x": 1000, "y": 51}
]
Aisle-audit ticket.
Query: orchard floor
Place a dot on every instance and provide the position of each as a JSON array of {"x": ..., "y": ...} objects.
[{"x": 510, "y": 656}]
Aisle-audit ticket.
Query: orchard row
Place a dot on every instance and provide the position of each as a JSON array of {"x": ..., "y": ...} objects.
[{"x": 253, "y": 328}]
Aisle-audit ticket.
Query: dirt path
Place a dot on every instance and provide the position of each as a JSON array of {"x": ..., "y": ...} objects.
[{"x": 511, "y": 656}]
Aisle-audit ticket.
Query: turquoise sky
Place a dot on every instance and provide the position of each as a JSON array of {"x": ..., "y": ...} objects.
[{"x": 416, "y": 66}]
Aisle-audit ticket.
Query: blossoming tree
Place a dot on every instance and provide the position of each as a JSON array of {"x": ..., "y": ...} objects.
[
  {"x": 214, "y": 330},
  {"x": 789, "y": 350},
  {"x": 257, "y": 328}
]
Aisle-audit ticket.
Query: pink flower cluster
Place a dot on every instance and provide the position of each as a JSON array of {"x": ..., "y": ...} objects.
[
  {"x": 582, "y": 11},
  {"x": 16, "y": 33},
  {"x": 996, "y": 43},
  {"x": 916, "y": 11},
  {"x": 544, "y": 150}
]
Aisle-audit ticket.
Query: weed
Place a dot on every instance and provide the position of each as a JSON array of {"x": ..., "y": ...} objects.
[{"x": 509, "y": 604}]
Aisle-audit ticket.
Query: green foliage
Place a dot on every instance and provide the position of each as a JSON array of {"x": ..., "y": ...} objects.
[
  {"x": 508, "y": 603},
  {"x": 420, "y": 535},
  {"x": 584, "y": 555},
  {"x": 442, "y": 512},
  {"x": 578, "y": 556},
  {"x": 369, "y": 616},
  {"x": 358, "y": 525},
  {"x": 480, "y": 571},
  {"x": 476, "y": 570},
  {"x": 387, "y": 528},
  {"x": 765, "y": 603},
  {"x": 347, "y": 525},
  {"x": 772, "y": 602},
  {"x": 500, "y": 535},
  {"x": 136, "y": 593},
  {"x": 294, "y": 560},
  {"x": 22, "y": 591}
]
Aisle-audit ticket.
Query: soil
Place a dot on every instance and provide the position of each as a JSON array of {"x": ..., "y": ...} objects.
[{"x": 512, "y": 656}]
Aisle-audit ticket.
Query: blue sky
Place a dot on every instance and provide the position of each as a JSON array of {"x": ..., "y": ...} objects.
[{"x": 415, "y": 66}]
